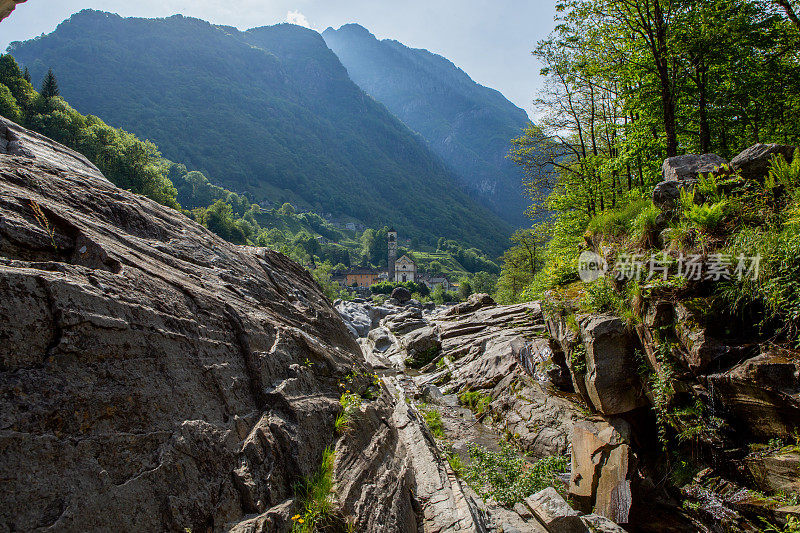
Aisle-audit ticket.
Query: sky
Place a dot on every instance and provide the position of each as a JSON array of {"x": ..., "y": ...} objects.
[{"x": 491, "y": 40}]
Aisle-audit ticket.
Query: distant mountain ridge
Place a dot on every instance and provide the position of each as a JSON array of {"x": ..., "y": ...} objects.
[
  {"x": 470, "y": 126},
  {"x": 270, "y": 112}
]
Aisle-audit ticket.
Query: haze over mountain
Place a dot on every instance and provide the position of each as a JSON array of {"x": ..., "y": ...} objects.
[
  {"x": 470, "y": 126},
  {"x": 270, "y": 111}
]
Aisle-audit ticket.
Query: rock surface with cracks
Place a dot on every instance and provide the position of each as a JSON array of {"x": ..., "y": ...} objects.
[{"x": 153, "y": 377}]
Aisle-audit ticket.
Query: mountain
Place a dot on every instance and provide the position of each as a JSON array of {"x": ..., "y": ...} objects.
[
  {"x": 470, "y": 126},
  {"x": 270, "y": 112}
]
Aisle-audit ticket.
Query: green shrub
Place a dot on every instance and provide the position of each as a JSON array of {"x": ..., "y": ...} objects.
[
  {"x": 455, "y": 461},
  {"x": 792, "y": 526},
  {"x": 476, "y": 401},
  {"x": 617, "y": 222},
  {"x": 782, "y": 173},
  {"x": 441, "y": 296},
  {"x": 686, "y": 199},
  {"x": 644, "y": 225},
  {"x": 712, "y": 185},
  {"x": 351, "y": 404},
  {"x": 433, "y": 419},
  {"x": 8, "y": 105},
  {"x": 316, "y": 498},
  {"x": 706, "y": 217},
  {"x": 386, "y": 287},
  {"x": 776, "y": 291},
  {"x": 577, "y": 359},
  {"x": 422, "y": 357},
  {"x": 601, "y": 297},
  {"x": 506, "y": 477}
]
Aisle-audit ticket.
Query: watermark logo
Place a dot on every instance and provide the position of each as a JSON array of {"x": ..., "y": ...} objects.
[
  {"x": 591, "y": 266},
  {"x": 693, "y": 267}
]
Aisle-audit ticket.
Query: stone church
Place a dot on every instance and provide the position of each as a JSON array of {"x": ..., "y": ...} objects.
[{"x": 405, "y": 269}]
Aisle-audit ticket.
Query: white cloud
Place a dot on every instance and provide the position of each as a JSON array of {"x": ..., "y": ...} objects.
[{"x": 295, "y": 17}]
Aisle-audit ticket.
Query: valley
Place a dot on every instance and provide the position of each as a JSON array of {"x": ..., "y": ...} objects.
[{"x": 296, "y": 281}]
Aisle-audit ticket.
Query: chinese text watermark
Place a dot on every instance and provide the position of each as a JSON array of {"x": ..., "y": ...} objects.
[{"x": 692, "y": 267}]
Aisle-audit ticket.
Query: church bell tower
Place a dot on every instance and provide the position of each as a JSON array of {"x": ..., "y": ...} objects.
[{"x": 392, "y": 241}]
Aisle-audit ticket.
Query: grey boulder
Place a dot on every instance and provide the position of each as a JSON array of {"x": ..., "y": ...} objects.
[
  {"x": 754, "y": 161},
  {"x": 554, "y": 512},
  {"x": 666, "y": 195},
  {"x": 401, "y": 294},
  {"x": 686, "y": 168}
]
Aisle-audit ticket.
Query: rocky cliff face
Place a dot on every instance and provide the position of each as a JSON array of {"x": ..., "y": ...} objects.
[{"x": 152, "y": 376}]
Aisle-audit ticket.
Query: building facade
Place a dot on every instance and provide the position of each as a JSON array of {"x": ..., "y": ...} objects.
[
  {"x": 362, "y": 277},
  {"x": 433, "y": 281},
  {"x": 405, "y": 270}
]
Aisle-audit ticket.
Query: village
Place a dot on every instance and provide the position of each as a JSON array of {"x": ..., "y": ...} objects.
[{"x": 400, "y": 270}]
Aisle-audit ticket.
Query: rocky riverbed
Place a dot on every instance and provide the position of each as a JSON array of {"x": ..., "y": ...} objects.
[
  {"x": 500, "y": 355},
  {"x": 531, "y": 380},
  {"x": 154, "y": 377}
]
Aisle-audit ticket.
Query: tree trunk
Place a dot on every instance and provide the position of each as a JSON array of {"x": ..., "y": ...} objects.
[
  {"x": 705, "y": 130},
  {"x": 665, "y": 80}
]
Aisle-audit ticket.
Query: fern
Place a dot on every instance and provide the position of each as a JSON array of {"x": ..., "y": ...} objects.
[
  {"x": 783, "y": 173},
  {"x": 712, "y": 185},
  {"x": 707, "y": 217},
  {"x": 708, "y": 186},
  {"x": 686, "y": 198}
]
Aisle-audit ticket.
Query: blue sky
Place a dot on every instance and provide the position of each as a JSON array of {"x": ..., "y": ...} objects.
[{"x": 490, "y": 40}]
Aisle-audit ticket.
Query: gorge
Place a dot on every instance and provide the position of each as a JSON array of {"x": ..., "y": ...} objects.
[{"x": 156, "y": 377}]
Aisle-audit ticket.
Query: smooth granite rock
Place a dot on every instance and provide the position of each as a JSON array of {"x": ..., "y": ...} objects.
[{"x": 153, "y": 377}]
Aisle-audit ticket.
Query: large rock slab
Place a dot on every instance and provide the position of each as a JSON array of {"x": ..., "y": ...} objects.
[
  {"x": 754, "y": 162},
  {"x": 404, "y": 322},
  {"x": 421, "y": 346},
  {"x": 361, "y": 317},
  {"x": 686, "y": 168},
  {"x": 555, "y": 513},
  {"x": 486, "y": 348},
  {"x": 702, "y": 351},
  {"x": 761, "y": 396},
  {"x": 603, "y": 469},
  {"x": 390, "y": 476},
  {"x": 601, "y": 524},
  {"x": 611, "y": 379},
  {"x": 776, "y": 472},
  {"x": 473, "y": 303},
  {"x": 153, "y": 377},
  {"x": 666, "y": 195}
]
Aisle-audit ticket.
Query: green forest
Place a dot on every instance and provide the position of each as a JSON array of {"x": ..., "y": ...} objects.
[
  {"x": 269, "y": 112},
  {"x": 629, "y": 84},
  {"x": 692, "y": 257},
  {"x": 468, "y": 125},
  {"x": 138, "y": 166}
]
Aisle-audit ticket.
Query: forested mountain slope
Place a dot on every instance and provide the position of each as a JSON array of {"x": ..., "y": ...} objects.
[
  {"x": 470, "y": 126},
  {"x": 270, "y": 112}
]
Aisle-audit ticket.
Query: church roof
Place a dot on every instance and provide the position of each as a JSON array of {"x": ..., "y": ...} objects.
[{"x": 406, "y": 259}]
